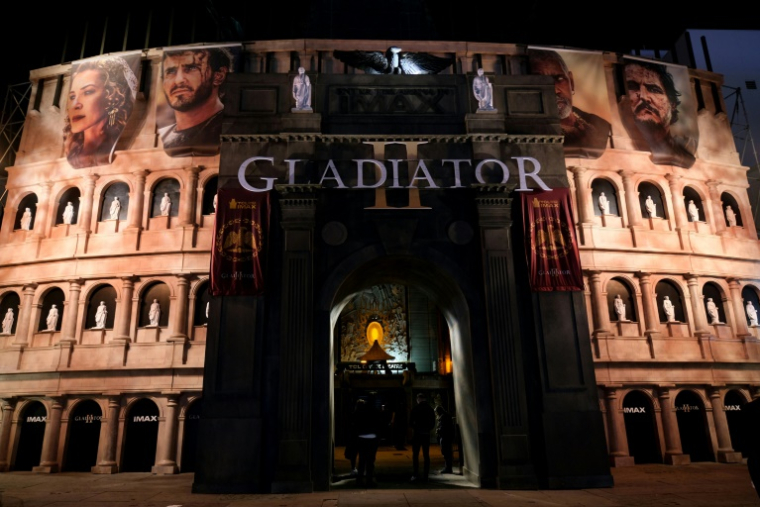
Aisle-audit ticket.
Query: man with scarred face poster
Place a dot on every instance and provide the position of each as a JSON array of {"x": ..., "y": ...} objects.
[{"x": 190, "y": 117}]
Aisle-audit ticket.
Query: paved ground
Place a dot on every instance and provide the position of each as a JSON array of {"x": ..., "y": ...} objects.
[{"x": 700, "y": 484}]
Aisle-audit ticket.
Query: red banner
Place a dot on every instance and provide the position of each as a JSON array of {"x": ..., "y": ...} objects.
[
  {"x": 240, "y": 236},
  {"x": 550, "y": 246}
]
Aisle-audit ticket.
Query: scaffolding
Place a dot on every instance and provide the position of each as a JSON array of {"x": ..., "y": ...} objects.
[
  {"x": 745, "y": 146},
  {"x": 12, "y": 118}
]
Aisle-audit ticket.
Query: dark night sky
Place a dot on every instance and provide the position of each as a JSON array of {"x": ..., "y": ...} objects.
[{"x": 591, "y": 25}]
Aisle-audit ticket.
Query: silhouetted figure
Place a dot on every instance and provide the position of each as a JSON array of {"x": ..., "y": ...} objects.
[
  {"x": 366, "y": 419},
  {"x": 422, "y": 421},
  {"x": 444, "y": 431}
]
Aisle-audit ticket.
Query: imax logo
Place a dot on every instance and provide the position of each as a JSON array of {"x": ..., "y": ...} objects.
[
  {"x": 34, "y": 419},
  {"x": 634, "y": 410},
  {"x": 145, "y": 418},
  {"x": 729, "y": 408}
]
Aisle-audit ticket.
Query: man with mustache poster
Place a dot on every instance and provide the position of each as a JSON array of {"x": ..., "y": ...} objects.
[
  {"x": 658, "y": 114},
  {"x": 190, "y": 118}
]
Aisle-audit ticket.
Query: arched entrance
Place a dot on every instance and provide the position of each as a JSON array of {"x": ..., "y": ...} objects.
[
  {"x": 190, "y": 438},
  {"x": 31, "y": 434},
  {"x": 733, "y": 405},
  {"x": 692, "y": 426},
  {"x": 84, "y": 435},
  {"x": 640, "y": 428},
  {"x": 140, "y": 437}
]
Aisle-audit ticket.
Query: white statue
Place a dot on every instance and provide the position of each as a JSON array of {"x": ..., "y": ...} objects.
[
  {"x": 620, "y": 308},
  {"x": 302, "y": 91},
  {"x": 693, "y": 211},
  {"x": 216, "y": 199},
  {"x": 166, "y": 205},
  {"x": 115, "y": 209},
  {"x": 604, "y": 204},
  {"x": 52, "y": 319},
  {"x": 154, "y": 314},
  {"x": 8, "y": 321},
  {"x": 26, "y": 220},
  {"x": 712, "y": 311},
  {"x": 483, "y": 91},
  {"x": 750, "y": 309},
  {"x": 207, "y": 305},
  {"x": 651, "y": 207},
  {"x": 100, "y": 316},
  {"x": 68, "y": 214},
  {"x": 730, "y": 216},
  {"x": 670, "y": 311}
]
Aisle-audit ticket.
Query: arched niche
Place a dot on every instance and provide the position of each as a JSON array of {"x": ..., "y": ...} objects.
[
  {"x": 116, "y": 189},
  {"x": 159, "y": 292},
  {"x": 29, "y": 201},
  {"x": 71, "y": 195},
  {"x": 691, "y": 195},
  {"x": 190, "y": 436},
  {"x": 31, "y": 432},
  {"x": 202, "y": 298},
  {"x": 733, "y": 404},
  {"x": 667, "y": 288},
  {"x": 106, "y": 294},
  {"x": 84, "y": 436},
  {"x": 641, "y": 428},
  {"x": 209, "y": 192},
  {"x": 10, "y": 301},
  {"x": 140, "y": 436},
  {"x": 712, "y": 291},
  {"x": 617, "y": 287},
  {"x": 750, "y": 295},
  {"x": 52, "y": 297},
  {"x": 692, "y": 426},
  {"x": 170, "y": 187},
  {"x": 727, "y": 200},
  {"x": 646, "y": 190},
  {"x": 599, "y": 186}
]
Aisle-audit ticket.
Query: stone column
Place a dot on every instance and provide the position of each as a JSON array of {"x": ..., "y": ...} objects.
[
  {"x": 136, "y": 199},
  {"x": 585, "y": 206},
  {"x": 651, "y": 317},
  {"x": 187, "y": 206},
  {"x": 8, "y": 405},
  {"x": 742, "y": 330},
  {"x": 71, "y": 311},
  {"x": 631, "y": 199},
  {"x": 717, "y": 208},
  {"x": 107, "y": 449},
  {"x": 676, "y": 196},
  {"x": 673, "y": 452},
  {"x": 616, "y": 428},
  {"x": 49, "y": 462},
  {"x": 700, "y": 319},
  {"x": 726, "y": 453},
  {"x": 25, "y": 327},
  {"x": 85, "y": 213},
  {"x": 167, "y": 445},
  {"x": 124, "y": 310},
  {"x": 598, "y": 305},
  {"x": 43, "y": 211},
  {"x": 179, "y": 311}
]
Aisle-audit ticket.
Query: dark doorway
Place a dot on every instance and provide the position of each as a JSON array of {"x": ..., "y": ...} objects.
[
  {"x": 84, "y": 435},
  {"x": 733, "y": 405},
  {"x": 692, "y": 426},
  {"x": 640, "y": 428},
  {"x": 190, "y": 438},
  {"x": 141, "y": 435},
  {"x": 32, "y": 432}
]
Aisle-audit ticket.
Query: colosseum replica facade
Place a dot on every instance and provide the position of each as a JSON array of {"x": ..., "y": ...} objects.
[{"x": 399, "y": 188}]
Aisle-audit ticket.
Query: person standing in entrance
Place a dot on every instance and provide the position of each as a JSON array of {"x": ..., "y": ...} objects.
[
  {"x": 366, "y": 419},
  {"x": 422, "y": 420},
  {"x": 444, "y": 431}
]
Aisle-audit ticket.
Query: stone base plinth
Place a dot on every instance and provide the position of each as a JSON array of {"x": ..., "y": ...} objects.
[
  {"x": 677, "y": 459},
  {"x": 729, "y": 457},
  {"x": 478, "y": 123},
  {"x": 298, "y": 122},
  {"x": 105, "y": 469},
  {"x": 46, "y": 469},
  {"x": 164, "y": 469},
  {"x": 621, "y": 461}
]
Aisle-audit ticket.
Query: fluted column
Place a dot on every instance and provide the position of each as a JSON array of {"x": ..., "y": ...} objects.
[
  {"x": 598, "y": 305},
  {"x": 8, "y": 406},
  {"x": 124, "y": 309},
  {"x": 673, "y": 450},
  {"x": 651, "y": 317},
  {"x": 719, "y": 217},
  {"x": 167, "y": 445},
  {"x": 72, "y": 309},
  {"x": 585, "y": 206},
  {"x": 179, "y": 311},
  {"x": 742, "y": 330},
  {"x": 631, "y": 199},
  {"x": 25, "y": 327},
  {"x": 616, "y": 430},
  {"x": 677, "y": 197},
  {"x": 85, "y": 213},
  {"x": 49, "y": 462},
  {"x": 726, "y": 453},
  {"x": 107, "y": 449},
  {"x": 700, "y": 319},
  {"x": 43, "y": 211},
  {"x": 137, "y": 199},
  {"x": 187, "y": 207}
]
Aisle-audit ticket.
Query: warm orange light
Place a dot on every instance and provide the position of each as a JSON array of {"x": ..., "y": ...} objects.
[
  {"x": 375, "y": 332},
  {"x": 448, "y": 365}
]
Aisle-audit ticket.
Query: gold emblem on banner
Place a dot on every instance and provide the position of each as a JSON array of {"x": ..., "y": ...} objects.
[
  {"x": 549, "y": 238},
  {"x": 239, "y": 239}
]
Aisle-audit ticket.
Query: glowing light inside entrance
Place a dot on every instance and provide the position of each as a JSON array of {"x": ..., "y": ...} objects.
[{"x": 375, "y": 332}]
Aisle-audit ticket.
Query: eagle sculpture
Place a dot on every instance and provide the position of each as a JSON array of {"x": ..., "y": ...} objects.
[{"x": 393, "y": 61}]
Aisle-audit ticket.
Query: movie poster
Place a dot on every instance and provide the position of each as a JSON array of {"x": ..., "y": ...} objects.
[
  {"x": 659, "y": 111},
  {"x": 190, "y": 110},
  {"x": 582, "y": 101},
  {"x": 101, "y": 98}
]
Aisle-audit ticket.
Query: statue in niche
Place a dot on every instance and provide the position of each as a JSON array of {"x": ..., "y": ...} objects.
[
  {"x": 620, "y": 309},
  {"x": 749, "y": 308},
  {"x": 483, "y": 91},
  {"x": 693, "y": 211},
  {"x": 669, "y": 309},
  {"x": 115, "y": 209},
  {"x": 52, "y": 319},
  {"x": 730, "y": 216},
  {"x": 68, "y": 214},
  {"x": 100, "y": 316},
  {"x": 8, "y": 321},
  {"x": 712, "y": 311},
  {"x": 166, "y": 205},
  {"x": 604, "y": 204},
  {"x": 26, "y": 220},
  {"x": 651, "y": 207},
  {"x": 207, "y": 306},
  {"x": 302, "y": 91},
  {"x": 216, "y": 200},
  {"x": 154, "y": 314}
]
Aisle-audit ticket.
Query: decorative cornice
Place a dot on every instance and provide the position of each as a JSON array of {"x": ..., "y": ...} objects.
[{"x": 334, "y": 138}]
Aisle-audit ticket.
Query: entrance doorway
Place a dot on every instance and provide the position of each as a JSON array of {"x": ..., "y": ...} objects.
[
  {"x": 640, "y": 428},
  {"x": 84, "y": 435},
  {"x": 733, "y": 405},
  {"x": 141, "y": 435},
  {"x": 190, "y": 438},
  {"x": 692, "y": 426},
  {"x": 31, "y": 434}
]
